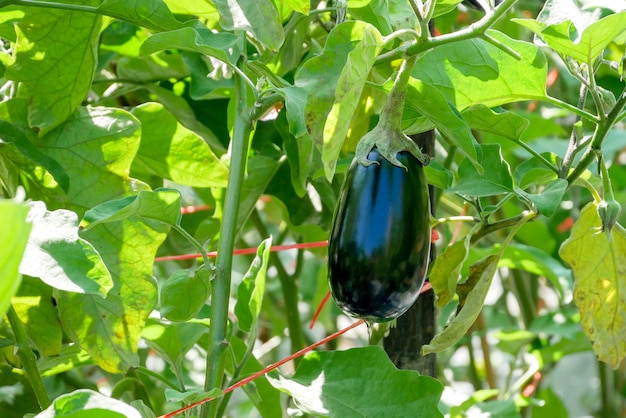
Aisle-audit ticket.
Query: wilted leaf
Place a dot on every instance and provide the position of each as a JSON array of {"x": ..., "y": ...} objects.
[
  {"x": 471, "y": 298},
  {"x": 598, "y": 260},
  {"x": 447, "y": 269},
  {"x": 369, "y": 384}
]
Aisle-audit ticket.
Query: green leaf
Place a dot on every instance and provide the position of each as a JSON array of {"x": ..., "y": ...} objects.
[
  {"x": 319, "y": 76},
  {"x": 85, "y": 403},
  {"x": 495, "y": 180},
  {"x": 222, "y": 46},
  {"x": 252, "y": 287},
  {"x": 472, "y": 298},
  {"x": 438, "y": 175},
  {"x": 59, "y": 257},
  {"x": 15, "y": 237},
  {"x": 263, "y": 395},
  {"x": 191, "y": 395},
  {"x": 578, "y": 39},
  {"x": 57, "y": 84},
  {"x": 447, "y": 269},
  {"x": 171, "y": 151},
  {"x": 173, "y": 341},
  {"x": 534, "y": 171},
  {"x": 474, "y": 72},
  {"x": 96, "y": 146},
  {"x": 295, "y": 104},
  {"x": 183, "y": 295},
  {"x": 369, "y": 384},
  {"x": 513, "y": 341},
  {"x": 71, "y": 356},
  {"x": 598, "y": 261},
  {"x": 151, "y": 14},
  {"x": 10, "y": 133},
  {"x": 299, "y": 151},
  {"x": 430, "y": 102},
  {"x": 496, "y": 121},
  {"x": 550, "y": 197},
  {"x": 350, "y": 84},
  {"x": 551, "y": 406},
  {"x": 162, "y": 205},
  {"x": 259, "y": 17},
  {"x": 33, "y": 305},
  {"x": 109, "y": 329}
]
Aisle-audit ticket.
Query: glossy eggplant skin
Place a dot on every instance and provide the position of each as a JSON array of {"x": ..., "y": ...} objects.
[{"x": 379, "y": 245}]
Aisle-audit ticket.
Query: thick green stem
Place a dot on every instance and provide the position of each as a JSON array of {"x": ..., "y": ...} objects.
[
  {"x": 391, "y": 115},
  {"x": 28, "y": 359},
  {"x": 223, "y": 267},
  {"x": 598, "y": 138}
]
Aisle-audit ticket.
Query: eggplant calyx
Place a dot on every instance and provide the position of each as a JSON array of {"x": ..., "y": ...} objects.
[{"x": 389, "y": 143}]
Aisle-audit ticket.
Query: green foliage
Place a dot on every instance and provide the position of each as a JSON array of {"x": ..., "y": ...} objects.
[{"x": 116, "y": 116}]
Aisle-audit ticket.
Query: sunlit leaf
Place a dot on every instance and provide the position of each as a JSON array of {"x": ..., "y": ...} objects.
[
  {"x": 598, "y": 260},
  {"x": 259, "y": 17},
  {"x": 363, "y": 376},
  {"x": 12, "y": 245},
  {"x": 184, "y": 294},
  {"x": 59, "y": 257},
  {"x": 446, "y": 270},
  {"x": 55, "y": 60},
  {"x": 84, "y": 403},
  {"x": 151, "y": 14}
]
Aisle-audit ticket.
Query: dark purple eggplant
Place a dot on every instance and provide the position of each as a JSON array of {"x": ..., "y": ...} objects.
[{"x": 380, "y": 240}]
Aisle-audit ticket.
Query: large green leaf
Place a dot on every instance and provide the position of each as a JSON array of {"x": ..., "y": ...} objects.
[
  {"x": 171, "y": 151},
  {"x": 184, "y": 294},
  {"x": 59, "y": 257},
  {"x": 474, "y": 72},
  {"x": 252, "y": 287},
  {"x": 109, "y": 329},
  {"x": 173, "y": 341},
  {"x": 598, "y": 261},
  {"x": 360, "y": 382},
  {"x": 85, "y": 403},
  {"x": 55, "y": 60},
  {"x": 151, "y": 14},
  {"x": 259, "y": 17},
  {"x": 12, "y": 245}
]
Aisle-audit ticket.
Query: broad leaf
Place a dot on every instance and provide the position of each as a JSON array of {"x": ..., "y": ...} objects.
[
  {"x": 55, "y": 86},
  {"x": 429, "y": 101},
  {"x": 534, "y": 171},
  {"x": 598, "y": 261},
  {"x": 252, "y": 287},
  {"x": 162, "y": 205},
  {"x": 496, "y": 121},
  {"x": 173, "y": 341},
  {"x": 350, "y": 84},
  {"x": 109, "y": 329},
  {"x": 472, "y": 296},
  {"x": 495, "y": 179},
  {"x": 33, "y": 305},
  {"x": 549, "y": 199},
  {"x": 171, "y": 151},
  {"x": 299, "y": 151},
  {"x": 85, "y": 403},
  {"x": 438, "y": 175},
  {"x": 474, "y": 72},
  {"x": 259, "y": 17},
  {"x": 12, "y": 245},
  {"x": 59, "y": 257},
  {"x": 183, "y": 294},
  {"x": 369, "y": 384}
]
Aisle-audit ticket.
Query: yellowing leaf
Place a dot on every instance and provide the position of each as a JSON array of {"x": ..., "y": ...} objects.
[{"x": 598, "y": 261}]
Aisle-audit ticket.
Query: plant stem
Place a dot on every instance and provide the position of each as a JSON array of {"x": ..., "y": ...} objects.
[
  {"x": 598, "y": 138},
  {"x": 220, "y": 293},
  {"x": 28, "y": 359},
  {"x": 473, "y": 31},
  {"x": 290, "y": 292},
  {"x": 575, "y": 110},
  {"x": 568, "y": 159},
  {"x": 391, "y": 115},
  {"x": 61, "y": 6}
]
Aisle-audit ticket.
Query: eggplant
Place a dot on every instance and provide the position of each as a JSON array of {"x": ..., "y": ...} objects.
[{"x": 379, "y": 244}]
